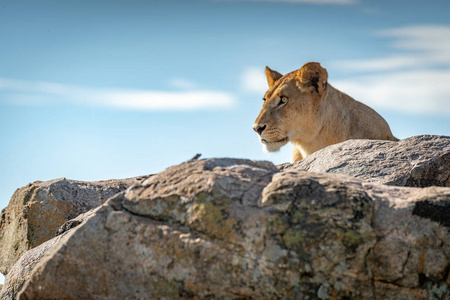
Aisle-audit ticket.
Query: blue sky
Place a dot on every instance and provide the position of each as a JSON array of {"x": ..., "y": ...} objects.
[{"x": 93, "y": 90}]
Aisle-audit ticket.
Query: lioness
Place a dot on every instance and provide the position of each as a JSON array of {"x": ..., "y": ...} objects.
[{"x": 303, "y": 108}]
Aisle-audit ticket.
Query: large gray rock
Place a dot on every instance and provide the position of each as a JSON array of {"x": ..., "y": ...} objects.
[
  {"x": 37, "y": 210},
  {"x": 224, "y": 228},
  {"x": 418, "y": 161}
]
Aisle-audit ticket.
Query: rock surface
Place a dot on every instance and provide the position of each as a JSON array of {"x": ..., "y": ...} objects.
[
  {"x": 227, "y": 228},
  {"x": 418, "y": 161},
  {"x": 37, "y": 210},
  {"x": 75, "y": 222},
  {"x": 22, "y": 269}
]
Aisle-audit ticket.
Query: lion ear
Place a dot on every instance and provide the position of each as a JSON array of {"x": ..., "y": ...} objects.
[
  {"x": 272, "y": 76},
  {"x": 313, "y": 77}
]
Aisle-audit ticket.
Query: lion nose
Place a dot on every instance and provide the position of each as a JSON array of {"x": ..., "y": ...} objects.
[{"x": 259, "y": 129}]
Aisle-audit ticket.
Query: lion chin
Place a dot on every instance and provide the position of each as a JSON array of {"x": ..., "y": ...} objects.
[{"x": 273, "y": 146}]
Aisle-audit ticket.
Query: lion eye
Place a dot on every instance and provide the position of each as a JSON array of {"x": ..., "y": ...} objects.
[
  {"x": 264, "y": 99},
  {"x": 283, "y": 100}
]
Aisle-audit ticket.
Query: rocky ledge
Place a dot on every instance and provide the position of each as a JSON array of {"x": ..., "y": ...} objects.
[
  {"x": 241, "y": 229},
  {"x": 418, "y": 161}
]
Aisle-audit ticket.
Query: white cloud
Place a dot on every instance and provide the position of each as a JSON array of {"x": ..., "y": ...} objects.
[
  {"x": 254, "y": 81},
  {"x": 339, "y": 2},
  {"x": 419, "y": 92},
  {"x": 150, "y": 100},
  {"x": 415, "y": 80},
  {"x": 41, "y": 93}
]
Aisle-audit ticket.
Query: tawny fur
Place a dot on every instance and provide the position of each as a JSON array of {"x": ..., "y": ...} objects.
[{"x": 303, "y": 108}]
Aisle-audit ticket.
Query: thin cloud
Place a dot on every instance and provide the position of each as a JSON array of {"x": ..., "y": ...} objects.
[
  {"x": 420, "y": 37},
  {"x": 419, "y": 47},
  {"x": 44, "y": 93},
  {"x": 413, "y": 81},
  {"x": 390, "y": 63},
  {"x": 318, "y": 2}
]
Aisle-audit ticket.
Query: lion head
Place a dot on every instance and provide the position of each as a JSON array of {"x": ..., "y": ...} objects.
[{"x": 290, "y": 109}]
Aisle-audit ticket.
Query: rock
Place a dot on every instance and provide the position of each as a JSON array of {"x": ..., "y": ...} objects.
[
  {"x": 37, "y": 210},
  {"x": 418, "y": 161},
  {"x": 22, "y": 269},
  {"x": 224, "y": 228},
  {"x": 75, "y": 222}
]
